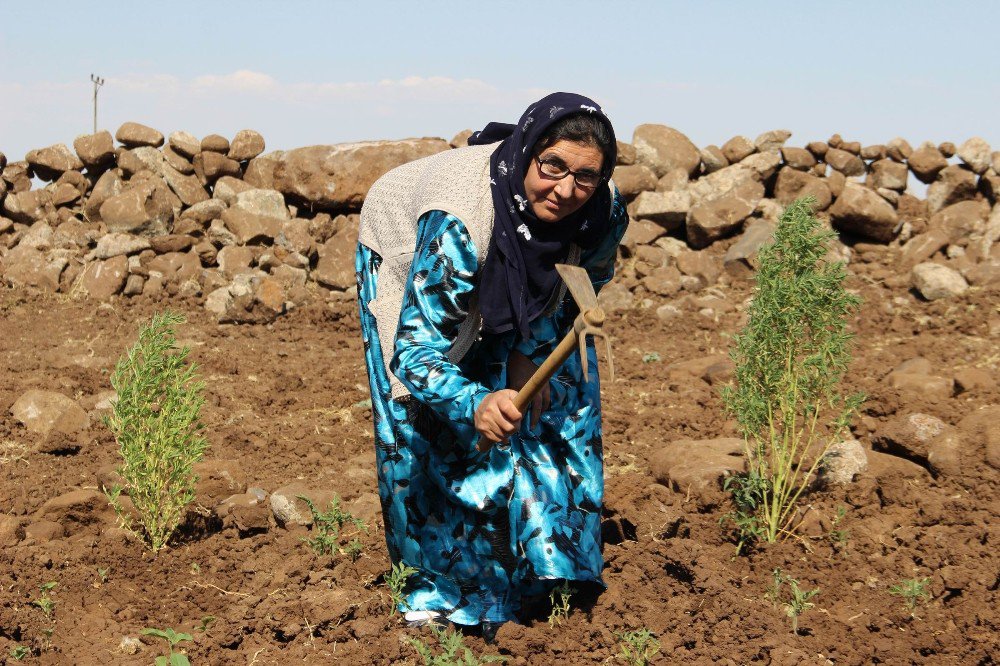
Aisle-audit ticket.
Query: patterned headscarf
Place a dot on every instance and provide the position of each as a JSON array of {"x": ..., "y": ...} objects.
[{"x": 519, "y": 276}]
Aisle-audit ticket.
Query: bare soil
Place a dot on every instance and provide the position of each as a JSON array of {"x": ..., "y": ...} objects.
[{"x": 286, "y": 403}]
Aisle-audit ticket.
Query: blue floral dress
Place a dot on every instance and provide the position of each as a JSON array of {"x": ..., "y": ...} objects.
[{"x": 482, "y": 530}]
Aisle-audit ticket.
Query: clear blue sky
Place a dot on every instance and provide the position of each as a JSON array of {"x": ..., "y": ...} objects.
[{"x": 325, "y": 72}]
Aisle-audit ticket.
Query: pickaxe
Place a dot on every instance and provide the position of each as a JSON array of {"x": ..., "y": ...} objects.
[{"x": 590, "y": 321}]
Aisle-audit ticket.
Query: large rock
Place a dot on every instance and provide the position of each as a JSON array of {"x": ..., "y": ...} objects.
[
  {"x": 188, "y": 188},
  {"x": 954, "y": 183},
  {"x": 227, "y": 188},
  {"x": 249, "y": 228},
  {"x": 269, "y": 203},
  {"x": 633, "y": 179},
  {"x": 843, "y": 462},
  {"x": 44, "y": 411},
  {"x": 103, "y": 279},
  {"x": 32, "y": 267},
  {"x": 923, "y": 247},
  {"x": 179, "y": 162},
  {"x": 888, "y": 174},
  {"x": 798, "y": 158},
  {"x": 976, "y": 153},
  {"x": 741, "y": 257},
  {"x": 142, "y": 158},
  {"x": 899, "y": 150},
  {"x": 215, "y": 143},
  {"x": 185, "y": 144},
  {"x": 115, "y": 244},
  {"x": 78, "y": 511},
  {"x": 110, "y": 184},
  {"x": 338, "y": 177},
  {"x": 737, "y": 148},
  {"x": 713, "y": 159},
  {"x": 935, "y": 281},
  {"x": 698, "y": 468},
  {"x": 246, "y": 145},
  {"x": 335, "y": 267},
  {"x": 49, "y": 163},
  {"x": 793, "y": 184},
  {"x": 252, "y": 298},
  {"x": 668, "y": 209},
  {"x": 719, "y": 215},
  {"x": 845, "y": 162},
  {"x": 209, "y": 166},
  {"x": 926, "y": 162},
  {"x": 909, "y": 435},
  {"x": 664, "y": 149},
  {"x": 260, "y": 171},
  {"x": 145, "y": 210},
  {"x": 864, "y": 213},
  {"x": 772, "y": 140},
  {"x": 982, "y": 428},
  {"x": 961, "y": 220},
  {"x": 28, "y": 207},
  {"x": 133, "y": 135}
]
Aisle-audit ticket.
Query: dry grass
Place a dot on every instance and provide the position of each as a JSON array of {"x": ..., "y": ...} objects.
[{"x": 11, "y": 451}]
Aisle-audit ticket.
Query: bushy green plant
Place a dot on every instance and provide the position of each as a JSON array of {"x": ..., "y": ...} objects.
[
  {"x": 173, "y": 638},
  {"x": 328, "y": 525},
  {"x": 913, "y": 590},
  {"x": 796, "y": 602},
  {"x": 453, "y": 651},
  {"x": 638, "y": 647},
  {"x": 790, "y": 359},
  {"x": 155, "y": 420},
  {"x": 395, "y": 580}
]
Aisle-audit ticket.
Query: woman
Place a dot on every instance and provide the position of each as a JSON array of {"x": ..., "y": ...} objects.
[{"x": 460, "y": 302}]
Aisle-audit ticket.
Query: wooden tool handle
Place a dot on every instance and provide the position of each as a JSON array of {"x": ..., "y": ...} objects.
[{"x": 539, "y": 379}]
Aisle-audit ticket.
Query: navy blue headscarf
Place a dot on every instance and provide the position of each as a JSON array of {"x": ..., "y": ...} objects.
[{"x": 518, "y": 277}]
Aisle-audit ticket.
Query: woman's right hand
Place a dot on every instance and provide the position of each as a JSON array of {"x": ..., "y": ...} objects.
[{"x": 497, "y": 418}]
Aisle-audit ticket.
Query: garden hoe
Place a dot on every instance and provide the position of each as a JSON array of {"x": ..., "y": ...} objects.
[{"x": 590, "y": 321}]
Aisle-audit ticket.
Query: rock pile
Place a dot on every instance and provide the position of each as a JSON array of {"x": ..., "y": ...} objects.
[{"x": 250, "y": 233}]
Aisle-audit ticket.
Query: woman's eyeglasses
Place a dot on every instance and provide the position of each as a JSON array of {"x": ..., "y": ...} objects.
[{"x": 556, "y": 170}]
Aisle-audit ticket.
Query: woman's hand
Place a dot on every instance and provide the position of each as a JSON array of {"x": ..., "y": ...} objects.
[
  {"x": 519, "y": 371},
  {"x": 496, "y": 417}
]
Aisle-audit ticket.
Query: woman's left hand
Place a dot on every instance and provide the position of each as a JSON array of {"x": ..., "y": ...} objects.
[{"x": 519, "y": 371}]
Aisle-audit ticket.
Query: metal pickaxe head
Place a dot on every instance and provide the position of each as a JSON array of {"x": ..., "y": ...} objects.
[{"x": 590, "y": 321}]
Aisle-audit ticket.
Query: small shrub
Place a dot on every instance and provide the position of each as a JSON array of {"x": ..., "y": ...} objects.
[
  {"x": 453, "y": 651},
  {"x": 560, "y": 598},
  {"x": 155, "y": 421},
  {"x": 395, "y": 580},
  {"x": 45, "y": 602},
  {"x": 328, "y": 525},
  {"x": 796, "y": 602},
  {"x": 790, "y": 359},
  {"x": 638, "y": 647},
  {"x": 19, "y": 652},
  {"x": 838, "y": 534},
  {"x": 173, "y": 638},
  {"x": 913, "y": 591}
]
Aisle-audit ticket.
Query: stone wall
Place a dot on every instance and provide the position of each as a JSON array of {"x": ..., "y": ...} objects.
[{"x": 250, "y": 234}]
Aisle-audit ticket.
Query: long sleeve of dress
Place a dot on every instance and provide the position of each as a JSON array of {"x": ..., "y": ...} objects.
[{"x": 436, "y": 302}]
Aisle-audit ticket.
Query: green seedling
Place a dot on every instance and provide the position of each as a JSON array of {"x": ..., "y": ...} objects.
[
  {"x": 353, "y": 549},
  {"x": 19, "y": 652},
  {"x": 173, "y": 638},
  {"x": 155, "y": 420},
  {"x": 789, "y": 360},
  {"x": 328, "y": 525},
  {"x": 838, "y": 535},
  {"x": 46, "y": 602},
  {"x": 395, "y": 580},
  {"x": 195, "y": 568},
  {"x": 560, "y": 598},
  {"x": 650, "y": 357},
  {"x": 205, "y": 621},
  {"x": 453, "y": 651},
  {"x": 102, "y": 573},
  {"x": 796, "y": 602},
  {"x": 913, "y": 591},
  {"x": 638, "y": 647},
  {"x": 747, "y": 491}
]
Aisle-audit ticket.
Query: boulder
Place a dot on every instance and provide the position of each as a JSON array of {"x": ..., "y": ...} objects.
[
  {"x": 888, "y": 174},
  {"x": 133, "y": 135},
  {"x": 204, "y": 212},
  {"x": 713, "y": 159},
  {"x": 845, "y": 162},
  {"x": 227, "y": 188},
  {"x": 947, "y": 149},
  {"x": 78, "y": 511},
  {"x": 31, "y": 267},
  {"x": 698, "y": 468},
  {"x": 44, "y": 411},
  {"x": 975, "y": 152},
  {"x": 741, "y": 257},
  {"x": 338, "y": 177},
  {"x": 49, "y": 163},
  {"x": 793, "y": 184},
  {"x": 944, "y": 453},
  {"x": 215, "y": 143},
  {"x": 908, "y": 435},
  {"x": 923, "y": 247},
  {"x": 143, "y": 210},
  {"x": 288, "y": 507},
  {"x": 667, "y": 209},
  {"x": 954, "y": 183},
  {"x": 633, "y": 179},
  {"x": 335, "y": 266},
  {"x": 110, "y": 184},
  {"x": 663, "y": 281},
  {"x": 843, "y": 462},
  {"x": 663, "y": 149},
  {"x": 185, "y": 144},
  {"x": 737, "y": 148},
  {"x": 899, "y": 150},
  {"x": 864, "y": 213},
  {"x": 269, "y": 203},
  {"x": 935, "y": 281},
  {"x": 235, "y": 259},
  {"x": 874, "y": 152},
  {"x": 981, "y": 428},
  {"x": 28, "y": 207},
  {"x": 798, "y": 158},
  {"x": 103, "y": 279},
  {"x": 188, "y": 188},
  {"x": 251, "y": 298},
  {"x": 142, "y": 158},
  {"x": 772, "y": 140},
  {"x": 179, "y": 162},
  {"x": 114, "y": 244},
  {"x": 249, "y": 228},
  {"x": 461, "y": 140},
  {"x": 246, "y": 145},
  {"x": 700, "y": 265},
  {"x": 926, "y": 162},
  {"x": 260, "y": 171},
  {"x": 626, "y": 153},
  {"x": 817, "y": 148},
  {"x": 719, "y": 216},
  {"x": 614, "y": 297},
  {"x": 961, "y": 220},
  {"x": 209, "y": 166}
]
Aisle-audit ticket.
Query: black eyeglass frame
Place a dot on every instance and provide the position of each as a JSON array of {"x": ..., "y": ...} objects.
[{"x": 566, "y": 171}]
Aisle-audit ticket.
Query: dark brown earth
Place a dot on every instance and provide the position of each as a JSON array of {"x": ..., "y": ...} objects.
[{"x": 285, "y": 403}]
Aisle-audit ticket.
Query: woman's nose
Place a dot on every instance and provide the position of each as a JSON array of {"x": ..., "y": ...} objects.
[{"x": 565, "y": 187}]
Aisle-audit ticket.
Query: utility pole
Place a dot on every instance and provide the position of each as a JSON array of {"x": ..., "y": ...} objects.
[{"x": 98, "y": 82}]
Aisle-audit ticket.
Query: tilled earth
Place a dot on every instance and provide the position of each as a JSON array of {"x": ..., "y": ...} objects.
[{"x": 286, "y": 403}]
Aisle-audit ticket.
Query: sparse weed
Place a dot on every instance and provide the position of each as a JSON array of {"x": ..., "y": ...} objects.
[
  {"x": 453, "y": 651},
  {"x": 155, "y": 420},
  {"x": 837, "y": 534},
  {"x": 102, "y": 573},
  {"x": 747, "y": 491},
  {"x": 560, "y": 598},
  {"x": 19, "y": 652},
  {"x": 913, "y": 591},
  {"x": 328, "y": 526},
  {"x": 650, "y": 357},
  {"x": 395, "y": 580},
  {"x": 173, "y": 638},
  {"x": 796, "y": 602},
  {"x": 353, "y": 549},
  {"x": 638, "y": 647},
  {"x": 45, "y": 602},
  {"x": 790, "y": 359},
  {"x": 205, "y": 621}
]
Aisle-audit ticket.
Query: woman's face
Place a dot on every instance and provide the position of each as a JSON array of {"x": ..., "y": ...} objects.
[{"x": 553, "y": 199}]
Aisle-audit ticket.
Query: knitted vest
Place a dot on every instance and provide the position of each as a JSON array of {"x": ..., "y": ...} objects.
[{"x": 454, "y": 181}]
